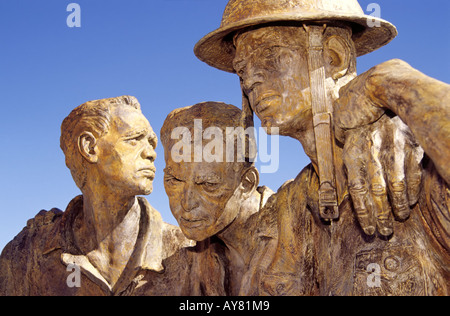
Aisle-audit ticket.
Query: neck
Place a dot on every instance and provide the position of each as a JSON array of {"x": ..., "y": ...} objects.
[
  {"x": 110, "y": 231},
  {"x": 305, "y": 134},
  {"x": 104, "y": 211},
  {"x": 306, "y": 137}
]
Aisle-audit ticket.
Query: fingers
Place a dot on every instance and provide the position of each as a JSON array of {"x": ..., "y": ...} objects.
[
  {"x": 355, "y": 160},
  {"x": 414, "y": 174},
  {"x": 395, "y": 169},
  {"x": 384, "y": 172},
  {"x": 404, "y": 169},
  {"x": 378, "y": 190},
  {"x": 413, "y": 169},
  {"x": 359, "y": 192}
]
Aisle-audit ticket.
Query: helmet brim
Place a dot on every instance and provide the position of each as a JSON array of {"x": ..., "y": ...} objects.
[{"x": 217, "y": 50}]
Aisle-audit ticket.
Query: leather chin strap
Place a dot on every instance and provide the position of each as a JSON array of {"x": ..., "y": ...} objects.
[{"x": 323, "y": 117}]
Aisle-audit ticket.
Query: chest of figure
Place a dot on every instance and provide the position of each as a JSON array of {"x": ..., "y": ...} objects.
[
  {"x": 363, "y": 266},
  {"x": 389, "y": 271},
  {"x": 58, "y": 278}
]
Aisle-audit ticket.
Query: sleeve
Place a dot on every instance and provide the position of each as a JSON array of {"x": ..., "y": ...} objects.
[
  {"x": 13, "y": 266},
  {"x": 435, "y": 204}
]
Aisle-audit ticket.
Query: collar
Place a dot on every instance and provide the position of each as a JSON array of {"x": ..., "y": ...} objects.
[{"x": 147, "y": 255}]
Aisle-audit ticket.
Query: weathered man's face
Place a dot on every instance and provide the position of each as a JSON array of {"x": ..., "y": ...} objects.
[
  {"x": 201, "y": 195},
  {"x": 127, "y": 153},
  {"x": 274, "y": 75}
]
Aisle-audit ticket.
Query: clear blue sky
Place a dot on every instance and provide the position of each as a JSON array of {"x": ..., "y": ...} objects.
[{"x": 142, "y": 48}]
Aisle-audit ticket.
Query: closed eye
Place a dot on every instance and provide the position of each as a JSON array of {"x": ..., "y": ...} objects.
[
  {"x": 239, "y": 67},
  {"x": 169, "y": 179},
  {"x": 210, "y": 186},
  {"x": 135, "y": 139}
]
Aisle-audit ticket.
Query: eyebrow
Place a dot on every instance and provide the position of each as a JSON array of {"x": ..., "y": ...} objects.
[
  {"x": 208, "y": 177},
  {"x": 154, "y": 139},
  {"x": 238, "y": 64},
  {"x": 169, "y": 172},
  {"x": 136, "y": 133}
]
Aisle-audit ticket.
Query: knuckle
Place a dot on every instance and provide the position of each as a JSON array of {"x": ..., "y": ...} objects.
[
  {"x": 361, "y": 212},
  {"x": 358, "y": 188},
  {"x": 415, "y": 180},
  {"x": 398, "y": 186},
  {"x": 378, "y": 189}
]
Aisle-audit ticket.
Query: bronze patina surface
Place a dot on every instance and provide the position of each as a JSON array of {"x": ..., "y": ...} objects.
[
  {"x": 369, "y": 216},
  {"x": 297, "y": 64}
]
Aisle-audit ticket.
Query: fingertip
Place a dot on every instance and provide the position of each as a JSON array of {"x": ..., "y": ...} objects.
[
  {"x": 385, "y": 229},
  {"x": 403, "y": 214},
  {"x": 369, "y": 230}
]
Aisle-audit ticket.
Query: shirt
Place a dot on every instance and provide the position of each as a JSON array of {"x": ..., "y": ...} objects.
[{"x": 44, "y": 258}]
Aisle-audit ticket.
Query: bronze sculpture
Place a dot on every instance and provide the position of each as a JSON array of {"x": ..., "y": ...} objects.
[
  {"x": 219, "y": 201},
  {"x": 108, "y": 236},
  {"x": 369, "y": 216},
  {"x": 292, "y": 58}
]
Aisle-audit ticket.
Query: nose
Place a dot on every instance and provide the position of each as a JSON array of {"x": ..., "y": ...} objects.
[
  {"x": 149, "y": 152},
  {"x": 189, "y": 201},
  {"x": 252, "y": 77}
]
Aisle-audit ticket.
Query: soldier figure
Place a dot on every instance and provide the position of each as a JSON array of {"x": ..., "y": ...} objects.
[{"x": 296, "y": 60}]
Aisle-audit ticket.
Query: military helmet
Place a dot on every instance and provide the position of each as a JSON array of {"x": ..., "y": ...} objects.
[{"x": 217, "y": 50}]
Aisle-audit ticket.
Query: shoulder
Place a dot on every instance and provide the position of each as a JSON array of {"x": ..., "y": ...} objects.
[
  {"x": 169, "y": 237},
  {"x": 174, "y": 239},
  {"x": 297, "y": 188},
  {"x": 37, "y": 229},
  {"x": 26, "y": 251},
  {"x": 44, "y": 219}
]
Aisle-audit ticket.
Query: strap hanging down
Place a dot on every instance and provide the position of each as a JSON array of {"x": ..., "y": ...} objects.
[{"x": 323, "y": 118}]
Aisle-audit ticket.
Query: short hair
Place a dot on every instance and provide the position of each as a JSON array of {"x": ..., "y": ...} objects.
[
  {"x": 212, "y": 114},
  {"x": 94, "y": 117}
]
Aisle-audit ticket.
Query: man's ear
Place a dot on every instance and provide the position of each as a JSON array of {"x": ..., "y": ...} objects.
[
  {"x": 337, "y": 55},
  {"x": 250, "y": 181},
  {"x": 87, "y": 145}
]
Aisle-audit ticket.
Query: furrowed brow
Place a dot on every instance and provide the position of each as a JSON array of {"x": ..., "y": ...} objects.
[
  {"x": 208, "y": 178},
  {"x": 153, "y": 139},
  {"x": 237, "y": 65},
  {"x": 136, "y": 133}
]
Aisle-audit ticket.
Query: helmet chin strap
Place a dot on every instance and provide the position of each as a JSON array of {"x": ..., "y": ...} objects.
[{"x": 322, "y": 110}]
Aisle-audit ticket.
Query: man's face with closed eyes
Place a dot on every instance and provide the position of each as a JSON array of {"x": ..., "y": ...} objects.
[
  {"x": 272, "y": 65},
  {"x": 199, "y": 193},
  {"x": 206, "y": 194}
]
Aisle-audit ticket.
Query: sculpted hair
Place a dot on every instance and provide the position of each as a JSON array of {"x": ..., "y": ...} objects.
[
  {"x": 94, "y": 117},
  {"x": 212, "y": 114}
]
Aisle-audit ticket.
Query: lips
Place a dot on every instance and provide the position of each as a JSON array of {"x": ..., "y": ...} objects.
[
  {"x": 265, "y": 101},
  {"x": 148, "y": 172},
  {"x": 191, "y": 223}
]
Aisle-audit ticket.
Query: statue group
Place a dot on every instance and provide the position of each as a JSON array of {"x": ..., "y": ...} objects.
[{"x": 369, "y": 215}]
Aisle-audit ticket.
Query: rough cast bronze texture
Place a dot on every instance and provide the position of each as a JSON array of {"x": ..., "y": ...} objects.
[{"x": 368, "y": 216}]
